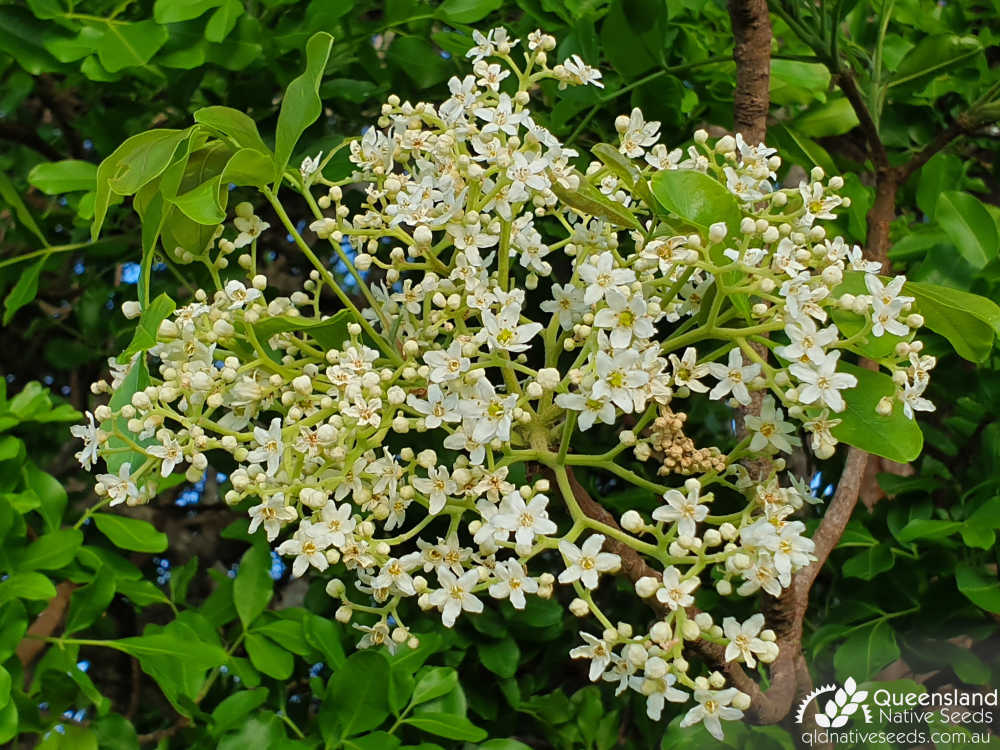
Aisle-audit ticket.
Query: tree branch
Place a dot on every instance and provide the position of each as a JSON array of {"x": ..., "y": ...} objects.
[
  {"x": 752, "y": 54},
  {"x": 47, "y": 622}
]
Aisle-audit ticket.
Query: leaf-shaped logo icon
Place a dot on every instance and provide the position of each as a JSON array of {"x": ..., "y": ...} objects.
[
  {"x": 831, "y": 709},
  {"x": 849, "y": 709},
  {"x": 859, "y": 697},
  {"x": 822, "y": 721},
  {"x": 841, "y": 697},
  {"x": 838, "y": 722},
  {"x": 850, "y": 686}
]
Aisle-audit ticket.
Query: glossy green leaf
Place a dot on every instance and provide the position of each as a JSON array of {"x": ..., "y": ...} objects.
[
  {"x": 67, "y": 176},
  {"x": 126, "y": 45},
  {"x": 467, "y": 11},
  {"x": 866, "y": 652},
  {"x": 969, "y": 225},
  {"x": 131, "y": 533},
  {"x": 301, "y": 105},
  {"x": 933, "y": 55},
  {"x": 942, "y": 172},
  {"x": 419, "y": 61},
  {"x": 979, "y": 529},
  {"x": 697, "y": 198},
  {"x": 24, "y": 291},
  {"x": 969, "y": 322},
  {"x": 253, "y": 587},
  {"x": 144, "y": 337},
  {"x": 894, "y": 437},
  {"x": 91, "y": 601},
  {"x": 927, "y": 528},
  {"x": 589, "y": 200},
  {"x": 324, "y": 636},
  {"x": 500, "y": 657},
  {"x": 978, "y": 586},
  {"x": 330, "y": 333},
  {"x": 869, "y": 562},
  {"x": 835, "y": 117},
  {"x": 235, "y": 708},
  {"x": 797, "y": 82},
  {"x": 231, "y": 122},
  {"x": 452, "y": 726},
  {"x": 4, "y": 687},
  {"x": 49, "y": 491},
  {"x": 52, "y": 551},
  {"x": 26, "y": 585},
  {"x": 223, "y": 20},
  {"x": 175, "y": 11},
  {"x": 22, "y": 37},
  {"x": 433, "y": 683},
  {"x": 268, "y": 657},
  {"x": 10, "y": 196},
  {"x": 356, "y": 696}
]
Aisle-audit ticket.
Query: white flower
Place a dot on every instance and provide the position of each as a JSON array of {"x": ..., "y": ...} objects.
[
  {"x": 307, "y": 545},
  {"x": 733, "y": 377},
  {"x": 376, "y": 635},
  {"x": 597, "y": 650},
  {"x": 687, "y": 371},
  {"x": 658, "y": 690},
  {"x": 270, "y": 446},
  {"x": 526, "y": 520},
  {"x": 437, "y": 408},
  {"x": 576, "y": 71},
  {"x": 620, "y": 379},
  {"x": 437, "y": 486},
  {"x": 684, "y": 509},
  {"x": 913, "y": 399},
  {"x": 591, "y": 408},
  {"x": 638, "y": 135},
  {"x": 743, "y": 640},
  {"x": 566, "y": 303},
  {"x": 512, "y": 583},
  {"x": 271, "y": 514},
  {"x": 770, "y": 429},
  {"x": 823, "y": 382},
  {"x": 239, "y": 295},
  {"x": 338, "y": 522},
  {"x": 88, "y": 434},
  {"x": 807, "y": 343},
  {"x": 394, "y": 574},
  {"x": 171, "y": 454},
  {"x": 121, "y": 487},
  {"x": 625, "y": 317},
  {"x": 447, "y": 365},
  {"x": 675, "y": 592},
  {"x": 365, "y": 412},
  {"x": 310, "y": 165},
  {"x": 250, "y": 227},
  {"x": 817, "y": 205},
  {"x": 503, "y": 332},
  {"x": 586, "y": 562},
  {"x": 713, "y": 706},
  {"x": 455, "y": 595},
  {"x": 600, "y": 275}
]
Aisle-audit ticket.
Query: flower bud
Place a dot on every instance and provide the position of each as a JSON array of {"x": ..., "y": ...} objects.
[
  {"x": 131, "y": 309},
  {"x": 632, "y": 522},
  {"x": 646, "y": 586},
  {"x": 690, "y": 630},
  {"x": 579, "y": 607},
  {"x": 741, "y": 701}
]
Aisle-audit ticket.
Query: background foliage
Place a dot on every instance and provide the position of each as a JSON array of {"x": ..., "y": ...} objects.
[{"x": 170, "y": 626}]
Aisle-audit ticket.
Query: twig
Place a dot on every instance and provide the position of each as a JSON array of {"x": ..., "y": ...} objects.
[{"x": 47, "y": 622}]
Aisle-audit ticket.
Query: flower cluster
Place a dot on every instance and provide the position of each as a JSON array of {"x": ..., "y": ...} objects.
[{"x": 456, "y": 213}]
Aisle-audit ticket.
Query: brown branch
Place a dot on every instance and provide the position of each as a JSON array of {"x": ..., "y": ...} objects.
[
  {"x": 848, "y": 84},
  {"x": 47, "y": 622},
  {"x": 162, "y": 734},
  {"x": 752, "y": 53},
  {"x": 12, "y": 131}
]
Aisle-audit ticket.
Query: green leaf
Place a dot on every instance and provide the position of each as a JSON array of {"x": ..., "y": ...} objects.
[
  {"x": 234, "y": 709},
  {"x": 869, "y": 563},
  {"x": 894, "y": 437},
  {"x": 127, "y": 45},
  {"x": 941, "y": 172},
  {"x": 91, "y": 601},
  {"x": 500, "y": 657},
  {"x": 136, "y": 380},
  {"x": 506, "y": 743},
  {"x": 835, "y": 117},
  {"x": 231, "y": 122},
  {"x": 932, "y": 56},
  {"x": 71, "y": 738},
  {"x": 978, "y": 586},
  {"x": 253, "y": 587},
  {"x": 301, "y": 105},
  {"x": 23, "y": 37},
  {"x": 268, "y": 657},
  {"x": 979, "y": 528},
  {"x": 968, "y": 321},
  {"x": 849, "y": 323},
  {"x": 379, "y": 740},
  {"x": 138, "y": 161},
  {"x": 433, "y": 683},
  {"x": 418, "y": 59},
  {"x": 50, "y": 491},
  {"x": 10, "y": 196},
  {"x": 248, "y": 167},
  {"x": 969, "y": 225},
  {"x": 131, "y": 533},
  {"x": 589, "y": 200},
  {"x": 67, "y": 176},
  {"x": 927, "y": 528},
  {"x": 26, "y": 585},
  {"x": 52, "y": 551},
  {"x": 175, "y": 11},
  {"x": 356, "y": 696},
  {"x": 697, "y": 198},
  {"x": 4, "y": 687},
  {"x": 144, "y": 337},
  {"x": 452, "y": 726},
  {"x": 467, "y": 11},
  {"x": 324, "y": 636},
  {"x": 796, "y": 82},
  {"x": 115, "y": 732},
  {"x": 223, "y": 20},
  {"x": 24, "y": 291},
  {"x": 8, "y": 722},
  {"x": 866, "y": 652},
  {"x": 142, "y": 593},
  {"x": 330, "y": 333}
]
